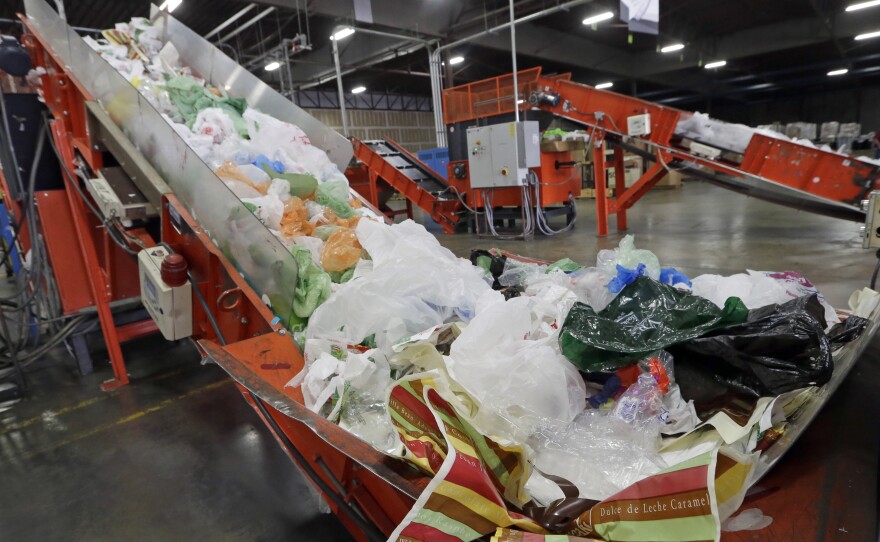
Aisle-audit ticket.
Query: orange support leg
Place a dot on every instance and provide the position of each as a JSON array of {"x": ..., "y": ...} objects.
[
  {"x": 619, "y": 186},
  {"x": 601, "y": 189},
  {"x": 98, "y": 282}
]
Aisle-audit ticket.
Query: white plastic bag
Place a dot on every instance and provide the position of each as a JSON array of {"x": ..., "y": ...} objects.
[
  {"x": 591, "y": 287},
  {"x": 269, "y": 209},
  {"x": 515, "y": 379},
  {"x": 758, "y": 289},
  {"x": 628, "y": 256},
  {"x": 415, "y": 284},
  {"x": 214, "y": 122}
]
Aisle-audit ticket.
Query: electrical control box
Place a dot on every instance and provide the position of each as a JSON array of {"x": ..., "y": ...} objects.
[
  {"x": 638, "y": 125},
  {"x": 501, "y": 155},
  {"x": 170, "y": 307}
]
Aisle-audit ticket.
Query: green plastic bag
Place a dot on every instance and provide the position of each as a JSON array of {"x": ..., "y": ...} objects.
[
  {"x": 301, "y": 184},
  {"x": 565, "y": 265},
  {"x": 328, "y": 194},
  {"x": 645, "y": 316},
  {"x": 312, "y": 286},
  {"x": 190, "y": 97}
]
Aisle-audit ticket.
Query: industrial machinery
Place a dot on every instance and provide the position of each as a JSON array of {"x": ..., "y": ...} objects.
[
  {"x": 196, "y": 268},
  {"x": 763, "y": 166}
]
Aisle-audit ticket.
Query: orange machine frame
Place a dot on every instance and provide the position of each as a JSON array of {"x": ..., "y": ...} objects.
[
  {"x": 492, "y": 97},
  {"x": 79, "y": 236}
]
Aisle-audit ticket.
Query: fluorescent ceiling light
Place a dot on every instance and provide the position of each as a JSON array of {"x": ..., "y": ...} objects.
[
  {"x": 170, "y": 5},
  {"x": 841, "y": 71},
  {"x": 520, "y": 101},
  {"x": 716, "y": 64},
  {"x": 604, "y": 85},
  {"x": 863, "y": 5},
  {"x": 272, "y": 66},
  {"x": 599, "y": 18},
  {"x": 672, "y": 48},
  {"x": 358, "y": 90},
  {"x": 868, "y": 36},
  {"x": 456, "y": 60},
  {"x": 342, "y": 33}
]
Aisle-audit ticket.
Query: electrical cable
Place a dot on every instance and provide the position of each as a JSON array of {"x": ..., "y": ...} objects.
[
  {"x": 458, "y": 195},
  {"x": 541, "y": 218},
  {"x": 208, "y": 313},
  {"x": 47, "y": 345}
]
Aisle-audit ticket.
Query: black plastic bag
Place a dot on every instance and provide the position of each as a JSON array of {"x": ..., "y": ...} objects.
[
  {"x": 491, "y": 263},
  {"x": 646, "y": 316},
  {"x": 779, "y": 348},
  {"x": 847, "y": 331}
]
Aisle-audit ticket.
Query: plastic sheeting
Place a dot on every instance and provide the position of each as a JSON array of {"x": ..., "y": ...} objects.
[{"x": 645, "y": 316}]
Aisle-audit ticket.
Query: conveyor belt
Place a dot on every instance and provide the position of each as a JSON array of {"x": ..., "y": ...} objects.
[{"x": 391, "y": 163}]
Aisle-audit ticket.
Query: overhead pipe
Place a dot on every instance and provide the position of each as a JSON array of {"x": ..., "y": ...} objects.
[
  {"x": 436, "y": 83},
  {"x": 254, "y": 20},
  {"x": 378, "y": 60},
  {"x": 339, "y": 88},
  {"x": 230, "y": 20},
  {"x": 513, "y": 58}
]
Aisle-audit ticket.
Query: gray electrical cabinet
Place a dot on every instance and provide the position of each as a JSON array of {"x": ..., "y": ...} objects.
[{"x": 500, "y": 155}]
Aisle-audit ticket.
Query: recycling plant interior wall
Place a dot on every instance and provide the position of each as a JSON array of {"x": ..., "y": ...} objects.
[{"x": 412, "y": 129}]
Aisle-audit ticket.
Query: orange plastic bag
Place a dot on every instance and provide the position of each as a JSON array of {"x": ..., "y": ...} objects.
[
  {"x": 341, "y": 251},
  {"x": 295, "y": 221},
  {"x": 231, "y": 171}
]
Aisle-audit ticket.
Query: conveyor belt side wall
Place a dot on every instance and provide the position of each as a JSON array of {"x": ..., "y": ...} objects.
[
  {"x": 254, "y": 250},
  {"x": 213, "y": 65}
]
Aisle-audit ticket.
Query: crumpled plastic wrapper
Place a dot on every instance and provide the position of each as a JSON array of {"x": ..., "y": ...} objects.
[{"x": 341, "y": 251}]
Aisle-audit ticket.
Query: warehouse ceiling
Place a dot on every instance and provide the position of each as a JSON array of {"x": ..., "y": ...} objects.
[{"x": 772, "y": 47}]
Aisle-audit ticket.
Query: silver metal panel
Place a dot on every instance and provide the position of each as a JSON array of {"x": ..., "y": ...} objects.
[
  {"x": 500, "y": 155},
  {"x": 262, "y": 259},
  {"x": 50, "y": 26},
  {"x": 223, "y": 72}
]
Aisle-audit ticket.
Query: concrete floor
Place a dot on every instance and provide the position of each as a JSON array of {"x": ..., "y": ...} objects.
[{"x": 178, "y": 455}]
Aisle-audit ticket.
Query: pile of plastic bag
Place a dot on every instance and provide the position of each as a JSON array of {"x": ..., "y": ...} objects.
[
  {"x": 290, "y": 185},
  {"x": 560, "y": 386}
]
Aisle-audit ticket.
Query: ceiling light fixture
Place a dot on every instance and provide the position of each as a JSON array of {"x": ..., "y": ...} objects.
[
  {"x": 170, "y": 5},
  {"x": 863, "y": 5},
  {"x": 834, "y": 73},
  {"x": 342, "y": 33},
  {"x": 672, "y": 48},
  {"x": 599, "y": 18},
  {"x": 868, "y": 36},
  {"x": 716, "y": 64},
  {"x": 456, "y": 60},
  {"x": 272, "y": 66},
  {"x": 600, "y": 86},
  {"x": 358, "y": 90}
]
